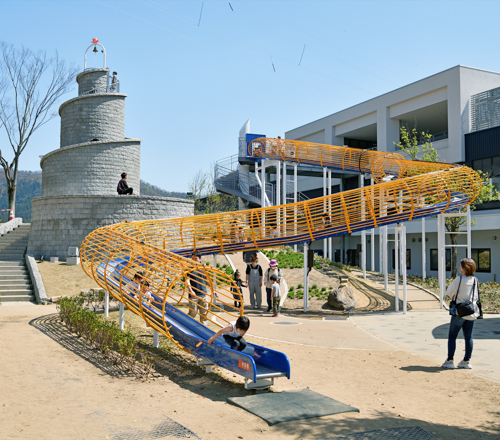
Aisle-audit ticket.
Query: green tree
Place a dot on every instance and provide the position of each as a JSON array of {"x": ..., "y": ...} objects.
[
  {"x": 206, "y": 198},
  {"x": 409, "y": 144}
]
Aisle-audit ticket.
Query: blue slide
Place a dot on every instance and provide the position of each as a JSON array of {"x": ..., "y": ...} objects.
[{"x": 253, "y": 363}]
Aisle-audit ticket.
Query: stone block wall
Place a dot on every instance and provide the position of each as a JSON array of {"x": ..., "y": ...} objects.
[
  {"x": 91, "y": 168},
  {"x": 60, "y": 222},
  {"x": 97, "y": 116},
  {"x": 92, "y": 79}
]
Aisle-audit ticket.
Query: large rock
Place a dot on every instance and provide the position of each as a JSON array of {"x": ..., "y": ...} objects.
[{"x": 343, "y": 299}]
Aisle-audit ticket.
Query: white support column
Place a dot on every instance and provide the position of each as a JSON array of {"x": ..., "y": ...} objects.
[
  {"x": 156, "y": 339},
  {"x": 441, "y": 260},
  {"x": 263, "y": 183},
  {"x": 330, "y": 252},
  {"x": 106, "y": 303},
  {"x": 306, "y": 278},
  {"x": 295, "y": 201},
  {"x": 396, "y": 269},
  {"x": 363, "y": 233},
  {"x": 325, "y": 241},
  {"x": 380, "y": 251},
  {"x": 469, "y": 233},
  {"x": 121, "y": 320},
  {"x": 403, "y": 268},
  {"x": 283, "y": 198},
  {"x": 372, "y": 235},
  {"x": 278, "y": 184},
  {"x": 384, "y": 257},
  {"x": 424, "y": 262}
]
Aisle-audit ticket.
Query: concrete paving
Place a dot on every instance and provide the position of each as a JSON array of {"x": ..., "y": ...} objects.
[{"x": 422, "y": 331}]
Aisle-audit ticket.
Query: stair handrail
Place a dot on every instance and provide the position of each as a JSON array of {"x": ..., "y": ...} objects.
[{"x": 10, "y": 225}]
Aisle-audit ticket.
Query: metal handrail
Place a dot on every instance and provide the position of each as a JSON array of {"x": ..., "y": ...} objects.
[{"x": 111, "y": 88}]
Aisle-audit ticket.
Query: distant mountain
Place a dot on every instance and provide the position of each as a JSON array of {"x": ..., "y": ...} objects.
[{"x": 29, "y": 186}]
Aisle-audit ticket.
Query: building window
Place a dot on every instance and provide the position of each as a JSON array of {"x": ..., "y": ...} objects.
[
  {"x": 435, "y": 259},
  {"x": 482, "y": 258},
  {"x": 491, "y": 167},
  {"x": 408, "y": 259}
]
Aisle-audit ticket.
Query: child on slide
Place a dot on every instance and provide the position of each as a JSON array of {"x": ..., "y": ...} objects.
[{"x": 233, "y": 333}]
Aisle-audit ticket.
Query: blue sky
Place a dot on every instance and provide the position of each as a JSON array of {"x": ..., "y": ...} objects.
[{"x": 191, "y": 87}]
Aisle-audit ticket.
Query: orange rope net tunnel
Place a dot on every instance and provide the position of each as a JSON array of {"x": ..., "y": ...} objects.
[{"x": 161, "y": 249}]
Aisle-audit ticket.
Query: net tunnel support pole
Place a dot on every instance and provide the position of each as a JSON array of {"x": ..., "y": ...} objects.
[
  {"x": 121, "y": 320},
  {"x": 106, "y": 303},
  {"x": 404, "y": 268},
  {"x": 372, "y": 235},
  {"x": 306, "y": 278},
  {"x": 385, "y": 258},
  {"x": 156, "y": 339},
  {"x": 283, "y": 196},
  {"x": 363, "y": 232},
  {"x": 325, "y": 241},
  {"x": 295, "y": 201},
  {"x": 441, "y": 260},
  {"x": 330, "y": 254},
  {"x": 469, "y": 233},
  {"x": 424, "y": 263},
  {"x": 396, "y": 268},
  {"x": 263, "y": 194}
]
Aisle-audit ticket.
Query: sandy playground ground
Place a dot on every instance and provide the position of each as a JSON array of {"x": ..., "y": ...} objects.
[{"x": 52, "y": 386}]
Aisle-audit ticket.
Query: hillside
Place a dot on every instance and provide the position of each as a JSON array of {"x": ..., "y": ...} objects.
[{"x": 29, "y": 185}]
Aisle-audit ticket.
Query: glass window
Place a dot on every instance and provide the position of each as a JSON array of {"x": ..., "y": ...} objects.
[
  {"x": 477, "y": 164},
  {"x": 487, "y": 165},
  {"x": 435, "y": 259},
  {"x": 496, "y": 166},
  {"x": 482, "y": 258}
]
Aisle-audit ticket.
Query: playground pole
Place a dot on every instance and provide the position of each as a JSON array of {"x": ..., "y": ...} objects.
[
  {"x": 283, "y": 197},
  {"x": 330, "y": 254},
  {"x": 403, "y": 263},
  {"x": 363, "y": 232},
  {"x": 372, "y": 232},
  {"x": 325, "y": 241},
  {"x": 295, "y": 200},
  {"x": 441, "y": 260},
  {"x": 263, "y": 195},
  {"x": 121, "y": 321},
  {"x": 306, "y": 278},
  {"x": 106, "y": 303},
  {"x": 384, "y": 256},
  {"x": 469, "y": 233},
  {"x": 396, "y": 269},
  {"x": 423, "y": 249}
]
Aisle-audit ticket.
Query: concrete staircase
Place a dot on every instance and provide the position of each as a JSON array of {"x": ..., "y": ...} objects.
[{"x": 15, "y": 283}]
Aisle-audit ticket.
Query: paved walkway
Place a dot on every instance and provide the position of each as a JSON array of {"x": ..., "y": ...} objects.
[
  {"x": 422, "y": 331},
  {"x": 418, "y": 299}
]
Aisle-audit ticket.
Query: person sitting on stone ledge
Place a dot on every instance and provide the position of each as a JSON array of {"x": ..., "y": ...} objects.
[{"x": 123, "y": 188}]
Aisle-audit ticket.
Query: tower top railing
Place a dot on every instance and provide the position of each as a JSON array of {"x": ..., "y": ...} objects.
[{"x": 111, "y": 88}]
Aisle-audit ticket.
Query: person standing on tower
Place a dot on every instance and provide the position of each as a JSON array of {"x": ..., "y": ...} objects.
[{"x": 114, "y": 82}]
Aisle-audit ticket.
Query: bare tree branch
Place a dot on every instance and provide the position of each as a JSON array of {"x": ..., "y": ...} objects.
[{"x": 30, "y": 85}]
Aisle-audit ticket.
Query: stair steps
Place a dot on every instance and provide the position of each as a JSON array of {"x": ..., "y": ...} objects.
[{"x": 15, "y": 282}]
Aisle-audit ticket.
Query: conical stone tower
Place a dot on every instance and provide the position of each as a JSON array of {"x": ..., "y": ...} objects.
[{"x": 79, "y": 179}]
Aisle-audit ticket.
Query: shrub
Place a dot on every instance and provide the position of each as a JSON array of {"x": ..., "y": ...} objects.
[{"x": 118, "y": 346}]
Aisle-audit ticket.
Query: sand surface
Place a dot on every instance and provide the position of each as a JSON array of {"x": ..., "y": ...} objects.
[{"x": 52, "y": 386}]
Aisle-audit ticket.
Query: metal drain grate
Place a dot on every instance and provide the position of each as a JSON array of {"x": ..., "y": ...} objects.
[
  {"x": 285, "y": 323},
  {"x": 165, "y": 428},
  {"x": 406, "y": 433}
]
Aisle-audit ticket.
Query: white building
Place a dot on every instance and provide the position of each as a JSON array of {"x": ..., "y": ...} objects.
[
  {"x": 458, "y": 107},
  {"x": 441, "y": 105}
]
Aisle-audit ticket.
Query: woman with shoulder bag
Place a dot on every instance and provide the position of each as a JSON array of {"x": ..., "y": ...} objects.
[{"x": 464, "y": 310}]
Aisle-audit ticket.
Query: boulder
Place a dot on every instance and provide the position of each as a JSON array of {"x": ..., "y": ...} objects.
[{"x": 343, "y": 299}]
